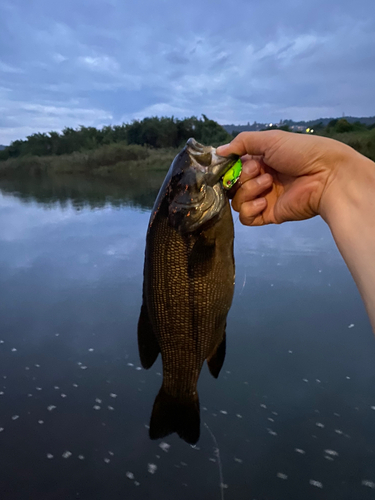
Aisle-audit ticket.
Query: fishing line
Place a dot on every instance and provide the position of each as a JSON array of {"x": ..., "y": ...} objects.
[{"x": 217, "y": 454}]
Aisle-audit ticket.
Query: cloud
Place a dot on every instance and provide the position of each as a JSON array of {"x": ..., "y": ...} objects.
[{"x": 235, "y": 62}]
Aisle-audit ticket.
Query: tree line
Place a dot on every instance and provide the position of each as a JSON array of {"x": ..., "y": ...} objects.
[{"x": 165, "y": 132}]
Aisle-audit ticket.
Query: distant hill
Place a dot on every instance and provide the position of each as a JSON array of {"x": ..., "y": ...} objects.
[
  {"x": 2, "y": 147},
  {"x": 296, "y": 125}
]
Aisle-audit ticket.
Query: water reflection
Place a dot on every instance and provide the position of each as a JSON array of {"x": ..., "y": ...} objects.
[
  {"x": 136, "y": 190},
  {"x": 293, "y": 414}
]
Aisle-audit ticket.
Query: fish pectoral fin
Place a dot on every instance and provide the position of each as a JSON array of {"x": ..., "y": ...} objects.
[
  {"x": 216, "y": 360},
  {"x": 148, "y": 346},
  {"x": 171, "y": 414}
]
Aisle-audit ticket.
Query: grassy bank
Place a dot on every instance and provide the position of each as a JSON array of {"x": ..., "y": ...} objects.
[{"x": 116, "y": 160}]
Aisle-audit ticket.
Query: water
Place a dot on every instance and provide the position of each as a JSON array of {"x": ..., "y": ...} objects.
[{"x": 293, "y": 410}]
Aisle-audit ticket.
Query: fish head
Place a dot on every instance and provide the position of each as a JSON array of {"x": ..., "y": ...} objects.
[{"x": 195, "y": 193}]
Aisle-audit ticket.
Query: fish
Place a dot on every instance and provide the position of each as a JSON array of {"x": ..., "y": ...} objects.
[{"x": 188, "y": 285}]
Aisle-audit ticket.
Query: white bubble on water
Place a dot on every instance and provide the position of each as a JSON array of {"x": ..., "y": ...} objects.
[
  {"x": 238, "y": 415},
  {"x": 319, "y": 424},
  {"x": 1, "y": 429},
  {"x": 305, "y": 379},
  {"x": 164, "y": 446},
  {"x": 270, "y": 419},
  {"x": 129, "y": 475},
  {"x": 106, "y": 460},
  {"x": 332, "y": 453},
  {"x": 338, "y": 431},
  {"x": 273, "y": 433},
  {"x": 96, "y": 407},
  {"x": 112, "y": 395},
  {"x": 91, "y": 349},
  {"x": 15, "y": 417},
  {"x": 212, "y": 460},
  {"x": 136, "y": 483},
  {"x": 49, "y": 455},
  {"x": 318, "y": 484},
  {"x": 238, "y": 460},
  {"x": 369, "y": 484},
  {"x": 138, "y": 368},
  {"x": 130, "y": 364},
  {"x": 351, "y": 325},
  {"x": 300, "y": 451},
  {"x": 81, "y": 457},
  {"x": 83, "y": 367},
  {"x": 63, "y": 395},
  {"x": 152, "y": 468},
  {"x": 97, "y": 400},
  {"x": 110, "y": 408},
  {"x": 67, "y": 454},
  {"x": 262, "y": 405},
  {"x": 224, "y": 412},
  {"x": 14, "y": 349},
  {"x": 40, "y": 422},
  {"x": 75, "y": 385},
  {"x": 281, "y": 475}
]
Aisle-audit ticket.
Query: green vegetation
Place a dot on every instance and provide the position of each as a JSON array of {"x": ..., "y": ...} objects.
[
  {"x": 130, "y": 152},
  {"x": 153, "y": 132}
]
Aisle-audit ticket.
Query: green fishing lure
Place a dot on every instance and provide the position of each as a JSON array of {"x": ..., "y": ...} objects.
[{"x": 232, "y": 175}]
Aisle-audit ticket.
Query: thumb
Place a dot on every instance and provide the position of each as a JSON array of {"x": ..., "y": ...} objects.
[{"x": 252, "y": 143}]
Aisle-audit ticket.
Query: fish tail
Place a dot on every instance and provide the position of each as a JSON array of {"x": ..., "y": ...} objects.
[{"x": 171, "y": 414}]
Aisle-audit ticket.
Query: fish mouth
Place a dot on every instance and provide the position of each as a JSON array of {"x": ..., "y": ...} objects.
[
  {"x": 193, "y": 209},
  {"x": 205, "y": 157}
]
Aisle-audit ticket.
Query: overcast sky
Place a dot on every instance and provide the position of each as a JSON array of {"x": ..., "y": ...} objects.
[{"x": 97, "y": 62}]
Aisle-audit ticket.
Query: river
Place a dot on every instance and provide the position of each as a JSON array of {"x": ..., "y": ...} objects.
[{"x": 291, "y": 416}]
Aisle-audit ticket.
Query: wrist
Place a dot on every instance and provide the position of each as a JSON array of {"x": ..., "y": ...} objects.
[{"x": 349, "y": 190}]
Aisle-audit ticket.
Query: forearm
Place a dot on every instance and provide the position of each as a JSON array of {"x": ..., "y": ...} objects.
[{"x": 349, "y": 210}]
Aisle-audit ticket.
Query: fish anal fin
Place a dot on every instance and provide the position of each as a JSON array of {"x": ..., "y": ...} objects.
[
  {"x": 148, "y": 346},
  {"x": 216, "y": 360},
  {"x": 171, "y": 414}
]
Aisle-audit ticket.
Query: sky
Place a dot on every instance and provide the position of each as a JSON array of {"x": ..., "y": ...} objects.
[{"x": 100, "y": 62}]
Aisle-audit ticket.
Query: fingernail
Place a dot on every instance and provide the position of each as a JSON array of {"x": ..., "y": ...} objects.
[
  {"x": 250, "y": 167},
  {"x": 259, "y": 202},
  {"x": 221, "y": 149},
  {"x": 263, "y": 180}
]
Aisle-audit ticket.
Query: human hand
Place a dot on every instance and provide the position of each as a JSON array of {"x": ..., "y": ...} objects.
[{"x": 285, "y": 176}]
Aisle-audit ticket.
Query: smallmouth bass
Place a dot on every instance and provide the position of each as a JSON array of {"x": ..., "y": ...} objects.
[{"x": 188, "y": 285}]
